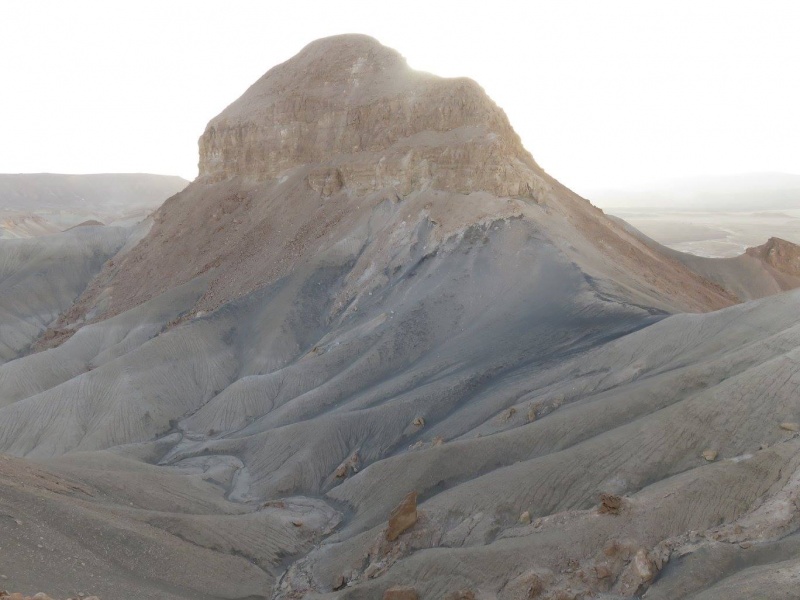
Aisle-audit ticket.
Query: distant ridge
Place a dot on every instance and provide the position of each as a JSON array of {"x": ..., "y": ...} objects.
[
  {"x": 750, "y": 192},
  {"x": 55, "y": 202}
]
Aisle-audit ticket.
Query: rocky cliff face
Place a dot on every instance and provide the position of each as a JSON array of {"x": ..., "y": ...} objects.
[
  {"x": 779, "y": 254},
  {"x": 355, "y": 107}
]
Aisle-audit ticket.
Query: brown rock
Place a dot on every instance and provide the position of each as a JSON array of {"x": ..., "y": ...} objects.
[
  {"x": 779, "y": 254},
  {"x": 528, "y": 585},
  {"x": 401, "y": 592},
  {"x": 639, "y": 571},
  {"x": 710, "y": 455},
  {"x": 326, "y": 181},
  {"x": 610, "y": 504},
  {"x": 525, "y": 518},
  {"x": 790, "y": 426},
  {"x": 418, "y": 422},
  {"x": 339, "y": 582},
  {"x": 602, "y": 571},
  {"x": 373, "y": 570},
  {"x": 461, "y": 595},
  {"x": 531, "y": 414},
  {"x": 351, "y": 464},
  {"x": 506, "y": 415},
  {"x": 402, "y": 517},
  {"x": 437, "y": 441}
]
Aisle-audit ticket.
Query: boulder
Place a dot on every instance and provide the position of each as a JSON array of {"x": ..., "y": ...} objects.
[
  {"x": 402, "y": 517},
  {"x": 401, "y": 592}
]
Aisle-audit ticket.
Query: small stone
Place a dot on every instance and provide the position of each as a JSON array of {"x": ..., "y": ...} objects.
[
  {"x": 297, "y": 523},
  {"x": 790, "y": 426},
  {"x": 639, "y": 571},
  {"x": 745, "y": 545},
  {"x": 531, "y": 414},
  {"x": 418, "y": 422},
  {"x": 373, "y": 570},
  {"x": 339, "y": 582},
  {"x": 602, "y": 571},
  {"x": 401, "y": 592},
  {"x": 506, "y": 415},
  {"x": 610, "y": 504},
  {"x": 528, "y": 585},
  {"x": 525, "y": 518},
  {"x": 461, "y": 595},
  {"x": 437, "y": 441},
  {"x": 403, "y": 517},
  {"x": 710, "y": 455},
  {"x": 416, "y": 445}
]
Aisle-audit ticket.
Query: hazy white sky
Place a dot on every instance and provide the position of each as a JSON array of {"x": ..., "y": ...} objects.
[{"x": 604, "y": 94}]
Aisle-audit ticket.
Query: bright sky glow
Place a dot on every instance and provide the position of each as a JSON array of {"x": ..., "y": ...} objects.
[{"x": 604, "y": 94}]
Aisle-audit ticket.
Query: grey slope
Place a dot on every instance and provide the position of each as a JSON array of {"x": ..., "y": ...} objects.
[{"x": 39, "y": 279}]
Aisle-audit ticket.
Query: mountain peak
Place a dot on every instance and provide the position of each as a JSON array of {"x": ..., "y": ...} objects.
[{"x": 354, "y": 104}]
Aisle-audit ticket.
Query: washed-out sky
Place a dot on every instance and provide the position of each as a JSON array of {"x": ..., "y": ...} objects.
[{"x": 605, "y": 94}]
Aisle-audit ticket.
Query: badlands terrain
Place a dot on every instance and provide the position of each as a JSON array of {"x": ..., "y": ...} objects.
[
  {"x": 42, "y": 203},
  {"x": 375, "y": 351}
]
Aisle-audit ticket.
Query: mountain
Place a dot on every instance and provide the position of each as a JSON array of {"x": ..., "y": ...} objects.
[
  {"x": 374, "y": 345},
  {"x": 43, "y": 203}
]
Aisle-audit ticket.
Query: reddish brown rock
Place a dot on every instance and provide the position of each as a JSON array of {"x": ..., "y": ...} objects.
[
  {"x": 401, "y": 592},
  {"x": 461, "y": 595},
  {"x": 610, "y": 504},
  {"x": 402, "y": 517}
]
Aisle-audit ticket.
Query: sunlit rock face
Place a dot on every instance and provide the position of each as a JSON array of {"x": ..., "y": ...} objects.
[{"x": 355, "y": 108}]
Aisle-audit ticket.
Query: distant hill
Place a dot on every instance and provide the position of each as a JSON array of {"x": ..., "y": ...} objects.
[
  {"x": 40, "y": 203},
  {"x": 736, "y": 193}
]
